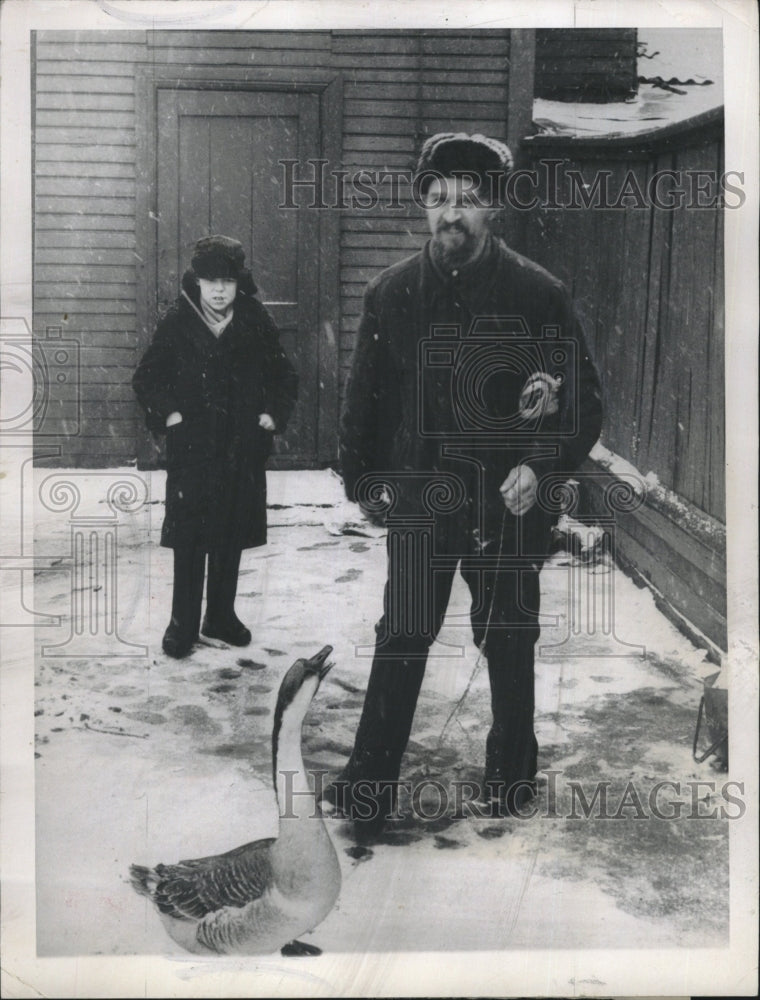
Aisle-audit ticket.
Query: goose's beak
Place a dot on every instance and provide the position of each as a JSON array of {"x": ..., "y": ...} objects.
[{"x": 318, "y": 664}]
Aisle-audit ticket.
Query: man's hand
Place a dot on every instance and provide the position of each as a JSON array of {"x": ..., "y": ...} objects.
[
  {"x": 174, "y": 418},
  {"x": 519, "y": 490},
  {"x": 374, "y": 516},
  {"x": 266, "y": 422}
]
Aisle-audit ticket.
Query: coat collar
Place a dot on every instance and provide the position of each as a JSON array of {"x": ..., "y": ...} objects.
[
  {"x": 198, "y": 330},
  {"x": 472, "y": 284}
]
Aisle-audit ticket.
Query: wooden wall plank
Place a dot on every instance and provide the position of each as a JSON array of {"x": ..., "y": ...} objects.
[
  {"x": 365, "y": 245},
  {"x": 221, "y": 55},
  {"x": 393, "y": 90},
  {"x": 60, "y": 169},
  {"x": 474, "y": 63},
  {"x": 79, "y": 275},
  {"x": 66, "y": 307},
  {"x": 378, "y": 128},
  {"x": 100, "y": 70},
  {"x": 101, "y": 291},
  {"x": 303, "y": 41},
  {"x": 62, "y": 256},
  {"x": 85, "y": 119},
  {"x": 74, "y": 102},
  {"x": 89, "y": 239},
  {"x": 382, "y": 145},
  {"x": 65, "y": 85},
  {"x": 83, "y": 153},
  {"x": 463, "y": 103},
  {"x": 90, "y": 36},
  {"x": 89, "y": 137},
  {"x": 426, "y": 43},
  {"x": 71, "y": 50},
  {"x": 85, "y": 186},
  {"x": 65, "y": 223}
]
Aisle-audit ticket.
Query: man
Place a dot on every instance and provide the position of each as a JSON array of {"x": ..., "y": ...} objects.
[{"x": 471, "y": 386}]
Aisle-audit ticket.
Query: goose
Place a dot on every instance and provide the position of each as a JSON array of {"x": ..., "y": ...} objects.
[{"x": 259, "y": 897}]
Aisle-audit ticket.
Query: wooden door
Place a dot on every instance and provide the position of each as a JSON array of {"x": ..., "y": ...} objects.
[{"x": 219, "y": 172}]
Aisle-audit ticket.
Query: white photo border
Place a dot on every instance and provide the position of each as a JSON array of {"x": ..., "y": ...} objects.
[{"x": 603, "y": 972}]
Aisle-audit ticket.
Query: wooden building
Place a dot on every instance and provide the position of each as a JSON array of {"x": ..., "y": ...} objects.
[{"x": 146, "y": 140}]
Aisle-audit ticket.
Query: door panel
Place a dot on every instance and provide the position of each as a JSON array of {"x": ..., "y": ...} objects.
[{"x": 218, "y": 172}]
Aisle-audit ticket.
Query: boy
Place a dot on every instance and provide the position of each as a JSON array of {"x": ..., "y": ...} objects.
[{"x": 216, "y": 381}]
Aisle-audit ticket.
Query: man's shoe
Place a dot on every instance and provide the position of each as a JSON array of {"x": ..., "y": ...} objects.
[
  {"x": 335, "y": 797},
  {"x": 175, "y": 642},
  {"x": 509, "y": 798},
  {"x": 231, "y": 630},
  {"x": 367, "y": 804}
]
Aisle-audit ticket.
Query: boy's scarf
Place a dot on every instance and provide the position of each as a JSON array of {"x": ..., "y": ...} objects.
[{"x": 216, "y": 322}]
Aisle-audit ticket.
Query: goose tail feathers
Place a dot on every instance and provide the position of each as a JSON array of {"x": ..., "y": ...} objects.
[{"x": 144, "y": 880}]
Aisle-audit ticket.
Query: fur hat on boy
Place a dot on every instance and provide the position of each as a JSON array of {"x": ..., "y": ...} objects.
[{"x": 219, "y": 257}]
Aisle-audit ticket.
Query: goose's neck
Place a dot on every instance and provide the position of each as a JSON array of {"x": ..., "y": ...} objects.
[
  {"x": 303, "y": 846},
  {"x": 294, "y": 796}
]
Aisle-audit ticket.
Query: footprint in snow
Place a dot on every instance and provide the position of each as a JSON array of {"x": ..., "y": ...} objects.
[
  {"x": 446, "y": 843},
  {"x": 492, "y": 832},
  {"x": 250, "y": 664},
  {"x": 352, "y": 574},
  {"x": 359, "y": 853},
  {"x": 152, "y": 718}
]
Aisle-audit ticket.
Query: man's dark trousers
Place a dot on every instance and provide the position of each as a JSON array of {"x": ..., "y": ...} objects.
[{"x": 507, "y": 617}]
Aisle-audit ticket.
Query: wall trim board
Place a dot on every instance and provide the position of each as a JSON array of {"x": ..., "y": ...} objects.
[{"x": 699, "y": 130}]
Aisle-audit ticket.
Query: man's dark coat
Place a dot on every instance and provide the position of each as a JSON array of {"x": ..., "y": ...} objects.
[
  {"x": 441, "y": 363},
  {"x": 216, "y": 484}
]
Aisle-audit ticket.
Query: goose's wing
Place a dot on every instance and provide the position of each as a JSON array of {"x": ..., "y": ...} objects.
[{"x": 191, "y": 889}]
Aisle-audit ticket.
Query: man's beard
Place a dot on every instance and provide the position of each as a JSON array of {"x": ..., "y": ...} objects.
[{"x": 449, "y": 255}]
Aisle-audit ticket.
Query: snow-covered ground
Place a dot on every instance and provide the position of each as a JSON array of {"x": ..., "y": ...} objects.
[{"x": 141, "y": 758}]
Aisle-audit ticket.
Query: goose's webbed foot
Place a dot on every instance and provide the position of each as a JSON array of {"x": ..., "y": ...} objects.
[{"x": 295, "y": 949}]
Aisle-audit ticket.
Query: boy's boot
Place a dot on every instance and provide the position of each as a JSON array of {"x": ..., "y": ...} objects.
[
  {"x": 187, "y": 596},
  {"x": 220, "y": 621}
]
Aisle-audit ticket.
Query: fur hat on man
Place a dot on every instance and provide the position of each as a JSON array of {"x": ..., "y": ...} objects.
[{"x": 448, "y": 154}]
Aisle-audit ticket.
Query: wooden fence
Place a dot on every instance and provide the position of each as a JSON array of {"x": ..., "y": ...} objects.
[{"x": 634, "y": 225}]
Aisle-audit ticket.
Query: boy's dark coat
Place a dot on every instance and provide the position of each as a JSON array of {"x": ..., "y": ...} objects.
[{"x": 216, "y": 484}]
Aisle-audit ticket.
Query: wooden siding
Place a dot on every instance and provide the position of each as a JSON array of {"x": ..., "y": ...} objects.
[
  {"x": 451, "y": 82},
  {"x": 398, "y": 88}
]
